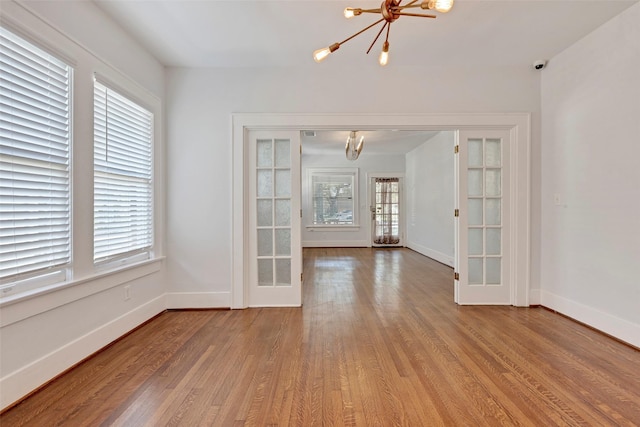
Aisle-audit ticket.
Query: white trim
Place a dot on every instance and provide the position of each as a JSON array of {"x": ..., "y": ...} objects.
[
  {"x": 19, "y": 383},
  {"x": 433, "y": 254},
  {"x": 619, "y": 328},
  {"x": 186, "y": 300},
  {"x": 519, "y": 123}
]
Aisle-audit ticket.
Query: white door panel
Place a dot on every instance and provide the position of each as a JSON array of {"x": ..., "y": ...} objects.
[
  {"x": 482, "y": 232},
  {"x": 275, "y": 249}
]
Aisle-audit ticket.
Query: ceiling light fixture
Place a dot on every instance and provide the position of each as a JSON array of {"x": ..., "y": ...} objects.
[
  {"x": 353, "y": 150},
  {"x": 390, "y": 11}
]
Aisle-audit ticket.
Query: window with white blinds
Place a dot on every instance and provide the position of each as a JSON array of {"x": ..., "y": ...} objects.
[
  {"x": 34, "y": 162},
  {"x": 123, "y": 206}
]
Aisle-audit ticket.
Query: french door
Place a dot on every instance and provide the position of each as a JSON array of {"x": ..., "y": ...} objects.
[
  {"x": 385, "y": 210},
  {"x": 482, "y": 226},
  {"x": 275, "y": 248}
]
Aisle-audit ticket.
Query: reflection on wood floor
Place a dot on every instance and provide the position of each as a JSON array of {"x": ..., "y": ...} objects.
[{"x": 379, "y": 342}]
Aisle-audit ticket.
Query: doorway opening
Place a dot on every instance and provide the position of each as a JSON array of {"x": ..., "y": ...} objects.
[{"x": 516, "y": 125}]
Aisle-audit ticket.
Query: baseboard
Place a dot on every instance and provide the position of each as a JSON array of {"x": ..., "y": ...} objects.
[
  {"x": 336, "y": 244},
  {"x": 611, "y": 325},
  {"x": 177, "y": 300},
  {"x": 24, "y": 381},
  {"x": 534, "y": 297},
  {"x": 438, "y": 256}
]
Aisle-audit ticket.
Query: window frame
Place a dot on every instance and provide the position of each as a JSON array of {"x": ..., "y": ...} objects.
[
  {"x": 148, "y": 252},
  {"x": 45, "y": 277},
  {"x": 309, "y": 202}
]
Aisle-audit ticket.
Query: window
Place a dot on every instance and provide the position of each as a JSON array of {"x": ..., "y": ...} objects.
[
  {"x": 333, "y": 196},
  {"x": 34, "y": 165},
  {"x": 123, "y": 211}
]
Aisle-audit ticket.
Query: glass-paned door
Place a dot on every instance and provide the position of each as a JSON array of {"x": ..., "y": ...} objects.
[
  {"x": 274, "y": 206},
  {"x": 385, "y": 211},
  {"x": 482, "y": 259}
]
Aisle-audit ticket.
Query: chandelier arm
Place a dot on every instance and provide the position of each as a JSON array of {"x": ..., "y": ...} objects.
[
  {"x": 410, "y": 4},
  {"x": 361, "y": 31},
  {"x": 376, "y": 39},
  {"x": 378, "y": 10},
  {"x": 413, "y": 14}
]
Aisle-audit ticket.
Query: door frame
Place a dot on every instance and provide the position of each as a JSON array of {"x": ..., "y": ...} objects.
[
  {"x": 519, "y": 125},
  {"x": 403, "y": 217}
]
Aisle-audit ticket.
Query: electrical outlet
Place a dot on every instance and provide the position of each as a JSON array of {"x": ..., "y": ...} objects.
[{"x": 127, "y": 292}]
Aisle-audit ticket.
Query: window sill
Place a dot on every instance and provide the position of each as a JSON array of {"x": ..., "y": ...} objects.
[
  {"x": 22, "y": 305},
  {"x": 332, "y": 228}
]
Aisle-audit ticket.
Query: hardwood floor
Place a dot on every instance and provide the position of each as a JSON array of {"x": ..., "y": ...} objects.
[{"x": 379, "y": 342}]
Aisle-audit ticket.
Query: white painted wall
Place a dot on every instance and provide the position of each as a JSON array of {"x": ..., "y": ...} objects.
[
  {"x": 366, "y": 164},
  {"x": 200, "y": 102},
  {"x": 430, "y": 198},
  {"x": 591, "y": 181},
  {"x": 45, "y": 334}
]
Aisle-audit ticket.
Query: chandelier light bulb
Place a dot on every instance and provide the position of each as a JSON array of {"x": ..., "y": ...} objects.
[
  {"x": 442, "y": 6},
  {"x": 320, "y": 54},
  {"x": 384, "y": 55},
  {"x": 348, "y": 13}
]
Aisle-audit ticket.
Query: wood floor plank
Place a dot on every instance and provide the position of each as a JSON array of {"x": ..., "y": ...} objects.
[{"x": 378, "y": 342}]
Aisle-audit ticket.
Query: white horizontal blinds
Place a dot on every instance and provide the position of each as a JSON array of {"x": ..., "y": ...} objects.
[
  {"x": 34, "y": 159},
  {"x": 123, "y": 216}
]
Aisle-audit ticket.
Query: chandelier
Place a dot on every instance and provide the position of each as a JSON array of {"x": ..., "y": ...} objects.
[
  {"x": 390, "y": 11},
  {"x": 353, "y": 150}
]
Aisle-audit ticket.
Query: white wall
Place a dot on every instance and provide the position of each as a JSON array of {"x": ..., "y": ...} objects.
[
  {"x": 366, "y": 164},
  {"x": 46, "y": 333},
  {"x": 591, "y": 146},
  {"x": 199, "y": 107},
  {"x": 430, "y": 198}
]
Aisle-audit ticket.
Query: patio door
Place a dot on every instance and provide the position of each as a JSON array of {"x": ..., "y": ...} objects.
[
  {"x": 482, "y": 226},
  {"x": 275, "y": 249},
  {"x": 385, "y": 210}
]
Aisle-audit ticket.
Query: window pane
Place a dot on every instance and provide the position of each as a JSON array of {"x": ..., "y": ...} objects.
[
  {"x": 265, "y": 183},
  {"x": 123, "y": 205},
  {"x": 265, "y": 242},
  {"x": 283, "y": 155},
  {"x": 283, "y": 212},
  {"x": 493, "y": 157},
  {"x": 493, "y": 182},
  {"x": 265, "y": 213},
  {"x": 283, "y": 241},
  {"x": 475, "y": 153},
  {"x": 283, "y": 272},
  {"x": 283, "y": 183},
  {"x": 265, "y": 154},
  {"x": 475, "y": 241},
  {"x": 34, "y": 161},
  {"x": 493, "y": 271},
  {"x": 475, "y": 212},
  {"x": 475, "y": 271},
  {"x": 475, "y": 182},
  {"x": 333, "y": 198},
  {"x": 265, "y": 272}
]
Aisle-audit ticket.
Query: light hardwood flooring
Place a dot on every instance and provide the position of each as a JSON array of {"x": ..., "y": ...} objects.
[{"x": 378, "y": 342}]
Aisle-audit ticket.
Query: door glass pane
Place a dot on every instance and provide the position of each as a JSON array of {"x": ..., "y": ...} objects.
[
  {"x": 493, "y": 271},
  {"x": 492, "y": 211},
  {"x": 283, "y": 272},
  {"x": 475, "y": 152},
  {"x": 265, "y": 242},
  {"x": 475, "y": 241},
  {"x": 493, "y": 156},
  {"x": 475, "y": 182},
  {"x": 475, "y": 271},
  {"x": 283, "y": 212},
  {"x": 265, "y": 272},
  {"x": 493, "y": 241},
  {"x": 493, "y": 186},
  {"x": 283, "y": 241},
  {"x": 475, "y": 212},
  {"x": 265, "y": 213},
  {"x": 283, "y": 183},
  {"x": 283, "y": 156},
  {"x": 264, "y": 153},
  {"x": 265, "y": 183}
]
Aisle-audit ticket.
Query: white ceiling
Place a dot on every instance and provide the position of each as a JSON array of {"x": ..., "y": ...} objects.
[
  {"x": 255, "y": 33},
  {"x": 269, "y": 33}
]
